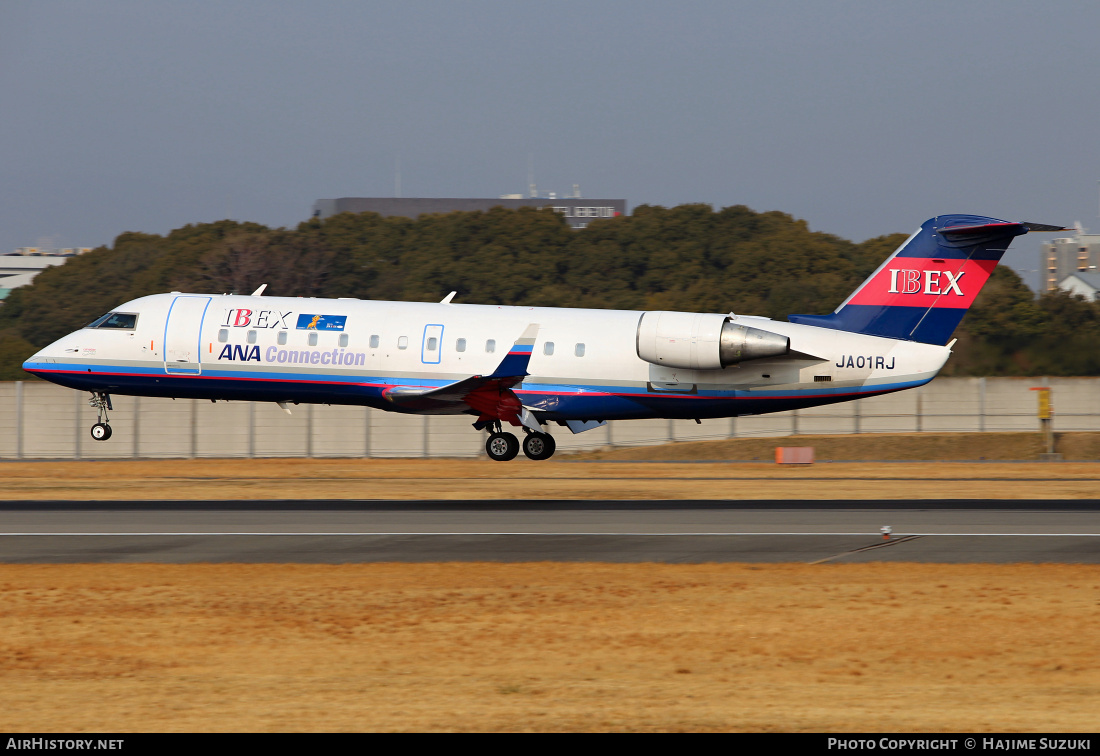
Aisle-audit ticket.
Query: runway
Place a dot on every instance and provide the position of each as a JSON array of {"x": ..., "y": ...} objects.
[{"x": 948, "y": 531}]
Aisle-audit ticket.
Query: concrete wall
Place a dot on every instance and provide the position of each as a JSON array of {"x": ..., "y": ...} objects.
[{"x": 42, "y": 421}]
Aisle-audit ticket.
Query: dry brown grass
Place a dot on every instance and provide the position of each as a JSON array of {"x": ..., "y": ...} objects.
[
  {"x": 1080, "y": 447},
  {"x": 523, "y": 479},
  {"x": 887, "y": 647}
]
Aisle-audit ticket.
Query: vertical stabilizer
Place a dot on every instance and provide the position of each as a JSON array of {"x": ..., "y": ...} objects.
[{"x": 923, "y": 290}]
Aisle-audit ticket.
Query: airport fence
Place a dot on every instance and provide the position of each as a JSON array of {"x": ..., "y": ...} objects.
[{"x": 43, "y": 421}]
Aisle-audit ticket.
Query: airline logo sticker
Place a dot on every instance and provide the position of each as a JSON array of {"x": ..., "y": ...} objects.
[
  {"x": 915, "y": 282},
  {"x": 911, "y": 281},
  {"x": 244, "y": 318},
  {"x": 310, "y": 322}
]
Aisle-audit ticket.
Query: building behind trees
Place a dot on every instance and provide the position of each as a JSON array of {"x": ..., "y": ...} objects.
[
  {"x": 578, "y": 212},
  {"x": 1061, "y": 258}
]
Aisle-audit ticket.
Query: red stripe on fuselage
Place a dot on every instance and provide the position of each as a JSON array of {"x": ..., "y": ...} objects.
[
  {"x": 926, "y": 282},
  {"x": 533, "y": 392}
]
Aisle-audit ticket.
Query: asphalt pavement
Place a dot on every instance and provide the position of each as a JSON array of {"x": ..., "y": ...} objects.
[{"x": 948, "y": 531}]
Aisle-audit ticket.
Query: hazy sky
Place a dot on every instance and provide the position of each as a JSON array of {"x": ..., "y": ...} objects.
[{"x": 863, "y": 118}]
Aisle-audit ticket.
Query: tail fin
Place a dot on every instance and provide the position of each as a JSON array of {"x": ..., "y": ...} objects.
[{"x": 923, "y": 290}]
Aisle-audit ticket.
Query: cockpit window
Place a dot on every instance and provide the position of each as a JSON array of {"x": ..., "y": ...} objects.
[{"x": 122, "y": 320}]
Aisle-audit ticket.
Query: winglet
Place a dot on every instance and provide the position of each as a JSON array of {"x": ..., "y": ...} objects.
[
  {"x": 260, "y": 291},
  {"x": 447, "y": 299},
  {"x": 516, "y": 361}
]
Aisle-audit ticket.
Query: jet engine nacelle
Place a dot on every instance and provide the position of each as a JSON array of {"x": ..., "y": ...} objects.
[{"x": 703, "y": 341}]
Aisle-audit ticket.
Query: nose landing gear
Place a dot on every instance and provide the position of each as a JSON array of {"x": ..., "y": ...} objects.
[{"x": 101, "y": 401}]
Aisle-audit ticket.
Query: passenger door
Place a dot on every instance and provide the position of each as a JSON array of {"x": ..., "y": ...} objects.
[{"x": 182, "y": 331}]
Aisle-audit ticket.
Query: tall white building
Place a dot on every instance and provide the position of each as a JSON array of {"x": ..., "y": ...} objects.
[{"x": 1061, "y": 258}]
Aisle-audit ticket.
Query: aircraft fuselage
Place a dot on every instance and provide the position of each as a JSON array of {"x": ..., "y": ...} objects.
[{"x": 584, "y": 364}]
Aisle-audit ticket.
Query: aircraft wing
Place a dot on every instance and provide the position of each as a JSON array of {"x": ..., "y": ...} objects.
[
  {"x": 490, "y": 395},
  {"x": 430, "y": 397}
]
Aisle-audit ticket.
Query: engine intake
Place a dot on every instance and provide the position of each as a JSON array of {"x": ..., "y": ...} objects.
[{"x": 703, "y": 341}]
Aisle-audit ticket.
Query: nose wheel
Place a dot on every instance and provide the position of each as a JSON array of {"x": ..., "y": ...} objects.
[{"x": 101, "y": 402}]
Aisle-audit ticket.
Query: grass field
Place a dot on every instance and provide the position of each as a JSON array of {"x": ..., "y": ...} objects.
[
  {"x": 523, "y": 479},
  {"x": 837, "y": 648},
  {"x": 872, "y": 447}
]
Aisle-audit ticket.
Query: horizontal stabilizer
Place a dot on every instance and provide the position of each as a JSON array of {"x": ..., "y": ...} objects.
[
  {"x": 1040, "y": 227},
  {"x": 977, "y": 233}
]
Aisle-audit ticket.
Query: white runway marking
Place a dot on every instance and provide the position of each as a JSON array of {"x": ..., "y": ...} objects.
[{"x": 895, "y": 536}]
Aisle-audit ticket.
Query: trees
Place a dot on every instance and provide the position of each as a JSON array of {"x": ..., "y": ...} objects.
[
  {"x": 1009, "y": 332},
  {"x": 689, "y": 257}
]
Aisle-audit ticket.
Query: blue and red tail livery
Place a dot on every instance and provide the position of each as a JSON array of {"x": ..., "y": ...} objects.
[{"x": 923, "y": 290}]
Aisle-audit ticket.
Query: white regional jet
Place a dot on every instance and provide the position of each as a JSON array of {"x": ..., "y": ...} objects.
[{"x": 530, "y": 366}]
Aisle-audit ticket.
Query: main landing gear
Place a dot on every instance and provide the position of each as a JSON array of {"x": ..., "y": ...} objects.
[
  {"x": 539, "y": 445},
  {"x": 503, "y": 446},
  {"x": 101, "y": 431}
]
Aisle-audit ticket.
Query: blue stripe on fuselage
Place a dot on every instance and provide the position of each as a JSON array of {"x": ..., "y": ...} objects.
[{"x": 557, "y": 401}]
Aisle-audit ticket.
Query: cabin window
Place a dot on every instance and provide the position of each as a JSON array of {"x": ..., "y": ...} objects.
[
  {"x": 433, "y": 343},
  {"x": 122, "y": 320},
  {"x": 313, "y": 339},
  {"x": 548, "y": 348},
  {"x": 223, "y": 335},
  {"x": 374, "y": 341},
  {"x": 343, "y": 339},
  {"x": 282, "y": 337},
  {"x": 491, "y": 345},
  {"x": 251, "y": 337},
  {"x": 403, "y": 342},
  {"x": 579, "y": 350},
  {"x": 460, "y": 345}
]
